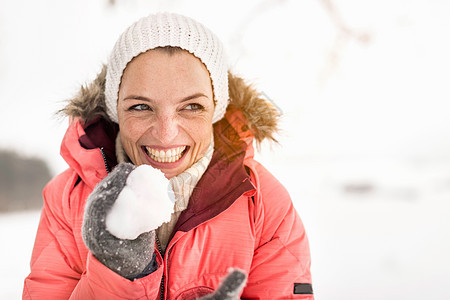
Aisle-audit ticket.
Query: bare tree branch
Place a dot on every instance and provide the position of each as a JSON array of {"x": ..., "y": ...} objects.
[
  {"x": 344, "y": 35},
  {"x": 241, "y": 28}
]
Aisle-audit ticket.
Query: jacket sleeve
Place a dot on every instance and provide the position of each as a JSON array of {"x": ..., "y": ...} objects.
[
  {"x": 62, "y": 268},
  {"x": 281, "y": 264}
]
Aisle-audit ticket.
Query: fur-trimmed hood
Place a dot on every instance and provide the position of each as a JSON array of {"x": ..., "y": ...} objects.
[{"x": 261, "y": 116}]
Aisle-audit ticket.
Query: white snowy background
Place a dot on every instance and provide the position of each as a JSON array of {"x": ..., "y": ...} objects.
[{"x": 365, "y": 148}]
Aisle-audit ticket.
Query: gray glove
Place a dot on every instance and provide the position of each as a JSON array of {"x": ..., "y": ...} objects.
[
  {"x": 129, "y": 258},
  {"x": 230, "y": 288}
]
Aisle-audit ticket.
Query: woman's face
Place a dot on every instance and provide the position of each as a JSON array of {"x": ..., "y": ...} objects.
[{"x": 165, "y": 110}]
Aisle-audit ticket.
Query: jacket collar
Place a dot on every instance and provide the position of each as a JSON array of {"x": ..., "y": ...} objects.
[{"x": 89, "y": 149}]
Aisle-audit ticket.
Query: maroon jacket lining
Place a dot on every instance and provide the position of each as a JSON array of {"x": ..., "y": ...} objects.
[{"x": 101, "y": 134}]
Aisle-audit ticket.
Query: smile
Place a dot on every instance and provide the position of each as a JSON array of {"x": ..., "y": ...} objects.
[{"x": 165, "y": 156}]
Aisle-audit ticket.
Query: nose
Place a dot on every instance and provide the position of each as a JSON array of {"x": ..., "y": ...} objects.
[{"x": 165, "y": 129}]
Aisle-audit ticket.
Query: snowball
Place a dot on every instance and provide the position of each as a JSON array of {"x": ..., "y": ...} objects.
[{"x": 143, "y": 204}]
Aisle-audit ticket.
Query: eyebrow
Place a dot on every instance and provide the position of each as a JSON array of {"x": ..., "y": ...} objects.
[
  {"x": 193, "y": 96},
  {"x": 132, "y": 97}
]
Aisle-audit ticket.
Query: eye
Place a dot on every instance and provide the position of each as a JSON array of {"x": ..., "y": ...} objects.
[
  {"x": 139, "y": 107},
  {"x": 194, "y": 107}
]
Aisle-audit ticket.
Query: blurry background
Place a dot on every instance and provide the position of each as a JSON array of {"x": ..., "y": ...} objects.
[{"x": 365, "y": 148}]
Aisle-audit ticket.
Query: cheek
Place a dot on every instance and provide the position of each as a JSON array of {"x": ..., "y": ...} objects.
[
  {"x": 200, "y": 131},
  {"x": 131, "y": 130}
]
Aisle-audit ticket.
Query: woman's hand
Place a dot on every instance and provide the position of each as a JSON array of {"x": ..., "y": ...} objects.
[
  {"x": 230, "y": 288},
  {"x": 120, "y": 217}
]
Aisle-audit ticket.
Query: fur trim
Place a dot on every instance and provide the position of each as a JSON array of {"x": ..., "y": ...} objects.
[
  {"x": 89, "y": 103},
  {"x": 261, "y": 115}
]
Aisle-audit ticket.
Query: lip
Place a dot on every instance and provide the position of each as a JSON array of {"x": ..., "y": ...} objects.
[{"x": 165, "y": 165}]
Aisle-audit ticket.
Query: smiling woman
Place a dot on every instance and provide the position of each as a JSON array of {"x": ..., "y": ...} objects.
[
  {"x": 165, "y": 110},
  {"x": 163, "y": 198}
]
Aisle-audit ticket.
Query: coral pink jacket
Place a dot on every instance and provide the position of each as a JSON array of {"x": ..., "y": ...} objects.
[{"x": 239, "y": 216}]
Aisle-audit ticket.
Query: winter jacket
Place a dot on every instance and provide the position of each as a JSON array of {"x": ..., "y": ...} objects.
[{"x": 238, "y": 216}]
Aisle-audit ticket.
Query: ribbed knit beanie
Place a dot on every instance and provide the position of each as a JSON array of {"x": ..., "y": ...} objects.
[{"x": 168, "y": 29}]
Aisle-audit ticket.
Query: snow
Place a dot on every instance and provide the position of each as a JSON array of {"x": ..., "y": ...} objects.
[
  {"x": 17, "y": 233},
  {"x": 143, "y": 205}
]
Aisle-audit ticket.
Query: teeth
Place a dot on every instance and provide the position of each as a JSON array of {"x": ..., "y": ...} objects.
[{"x": 169, "y": 156}]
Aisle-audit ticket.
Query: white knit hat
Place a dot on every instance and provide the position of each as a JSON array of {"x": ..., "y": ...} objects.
[{"x": 168, "y": 29}]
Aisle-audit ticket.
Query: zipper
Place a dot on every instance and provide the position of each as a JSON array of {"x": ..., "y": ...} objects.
[
  {"x": 161, "y": 290},
  {"x": 104, "y": 160},
  {"x": 166, "y": 267},
  {"x": 167, "y": 264}
]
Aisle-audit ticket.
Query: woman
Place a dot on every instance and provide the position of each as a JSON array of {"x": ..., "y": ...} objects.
[{"x": 166, "y": 100}]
